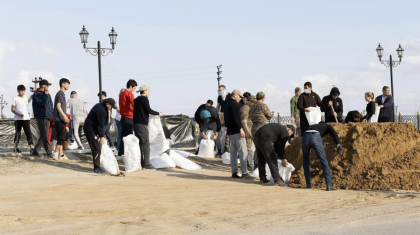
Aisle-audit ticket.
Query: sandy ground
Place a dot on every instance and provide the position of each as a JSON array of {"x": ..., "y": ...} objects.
[{"x": 42, "y": 196}]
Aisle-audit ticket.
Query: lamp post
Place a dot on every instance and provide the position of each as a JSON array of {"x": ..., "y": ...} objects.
[
  {"x": 391, "y": 64},
  {"x": 218, "y": 77},
  {"x": 1, "y": 104},
  {"x": 98, "y": 51}
]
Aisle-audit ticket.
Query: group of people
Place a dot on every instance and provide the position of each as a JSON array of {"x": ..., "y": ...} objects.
[{"x": 132, "y": 116}]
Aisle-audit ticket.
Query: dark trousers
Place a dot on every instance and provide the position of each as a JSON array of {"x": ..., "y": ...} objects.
[
  {"x": 108, "y": 135},
  {"x": 312, "y": 140},
  {"x": 26, "y": 124},
  {"x": 95, "y": 147},
  {"x": 126, "y": 129},
  {"x": 266, "y": 154},
  {"x": 60, "y": 128},
  {"x": 384, "y": 120},
  {"x": 43, "y": 127},
  {"x": 142, "y": 132}
]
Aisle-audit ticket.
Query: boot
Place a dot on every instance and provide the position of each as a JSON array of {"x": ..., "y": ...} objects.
[{"x": 66, "y": 145}]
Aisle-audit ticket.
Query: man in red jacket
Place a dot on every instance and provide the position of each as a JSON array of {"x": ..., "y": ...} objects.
[{"x": 126, "y": 102}]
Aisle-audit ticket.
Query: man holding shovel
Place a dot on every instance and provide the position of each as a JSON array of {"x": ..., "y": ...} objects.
[{"x": 332, "y": 106}]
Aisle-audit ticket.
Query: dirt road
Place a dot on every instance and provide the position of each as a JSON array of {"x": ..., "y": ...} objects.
[{"x": 49, "y": 197}]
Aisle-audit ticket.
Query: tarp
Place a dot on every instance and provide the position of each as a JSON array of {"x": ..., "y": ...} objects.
[{"x": 183, "y": 127}]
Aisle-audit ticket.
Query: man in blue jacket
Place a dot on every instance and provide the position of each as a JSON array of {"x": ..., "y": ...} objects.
[
  {"x": 42, "y": 107},
  {"x": 96, "y": 124},
  {"x": 386, "y": 103}
]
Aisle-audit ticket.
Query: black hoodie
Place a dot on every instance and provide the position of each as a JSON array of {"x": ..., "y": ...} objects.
[{"x": 337, "y": 104}]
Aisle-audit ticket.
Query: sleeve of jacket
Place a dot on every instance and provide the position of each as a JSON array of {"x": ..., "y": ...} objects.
[
  {"x": 292, "y": 110},
  {"x": 149, "y": 110},
  {"x": 389, "y": 102},
  {"x": 267, "y": 112},
  {"x": 102, "y": 119},
  {"x": 300, "y": 103},
  {"x": 236, "y": 116},
  {"x": 324, "y": 105},
  {"x": 339, "y": 111},
  {"x": 40, "y": 99},
  {"x": 318, "y": 100},
  {"x": 219, "y": 125},
  {"x": 279, "y": 147}
]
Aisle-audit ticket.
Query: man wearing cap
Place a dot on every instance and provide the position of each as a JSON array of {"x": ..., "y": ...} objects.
[
  {"x": 306, "y": 100},
  {"x": 207, "y": 118},
  {"x": 332, "y": 106},
  {"x": 78, "y": 113},
  {"x": 141, "y": 114},
  {"x": 42, "y": 107},
  {"x": 126, "y": 106},
  {"x": 294, "y": 109},
  {"x": 108, "y": 129},
  {"x": 236, "y": 135},
  {"x": 270, "y": 141},
  {"x": 95, "y": 126},
  {"x": 259, "y": 113},
  {"x": 247, "y": 125},
  {"x": 312, "y": 139}
]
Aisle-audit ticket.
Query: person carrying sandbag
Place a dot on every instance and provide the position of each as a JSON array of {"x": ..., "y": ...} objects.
[
  {"x": 312, "y": 139},
  {"x": 208, "y": 119},
  {"x": 96, "y": 124},
  {"x": 306, "y": 100}
]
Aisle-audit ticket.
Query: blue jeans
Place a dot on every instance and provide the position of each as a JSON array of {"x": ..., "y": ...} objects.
[
  {"x": 119, "y": 128},
  {"x": 313, "y": 140},
  {"x": 108, "y": 135}
]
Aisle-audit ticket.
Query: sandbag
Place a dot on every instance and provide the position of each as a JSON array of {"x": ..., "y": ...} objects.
[
  {"x": 162, "y": 161},
  {"x": 108, "y": 161},
  {"x": 286, "y": 172},
  {"x": 226, "y": 158},
  {"x": 183, "y": 153},
  {"x": 207, "y": 146},
  {"x": 158, "y": 143},
  {"x": 132, "y": 154},
  {"x": 182, "y": 162},
  {"x": 313, "y": 117},
  {"x": 375, "y": 117}
]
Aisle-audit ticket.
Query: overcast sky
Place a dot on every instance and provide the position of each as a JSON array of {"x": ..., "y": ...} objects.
[{"x": 175, "y": 46}]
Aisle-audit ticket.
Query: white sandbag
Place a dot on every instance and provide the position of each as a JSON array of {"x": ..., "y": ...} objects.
[
  {"x": 162, "y": 161},
  {"x": 226, "y": 158},
  {"x": 255, "y": 174},
  {"x": 132, "y": 154},
  {"x": 375, "y": 117},
  {"x": 183, "y": 153},
  {"x": 158, "y": 142},
  {"x": 108, "y": 161},
  {"x": 314, "y": 117},
  {"x": 286, "y": 172},
  {"x": 207, "y": 146},
  {"x": 182, "y": 162}
]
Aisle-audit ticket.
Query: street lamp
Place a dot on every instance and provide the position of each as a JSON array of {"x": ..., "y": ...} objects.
[
  {"x": 218, "y": 77},
  {"x": 390, "y": 63},
  {"x": 98, "y": 51}
]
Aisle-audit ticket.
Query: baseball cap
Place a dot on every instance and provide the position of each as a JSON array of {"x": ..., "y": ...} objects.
[
  {"x": 44, "y": 82},
  {"x": 252, "y": 99},
  {"x": 205, "y": 114},
  {"x": 337, "y": 93},
  {"x": 237, "y": 92},
  {"x": 143, "y": 88},
  {"x": 111, "y": 102},
  {"x": 293, "y": 129},
  {"x": 260, "y": 95},
  {"x": 73, "y": 92}
]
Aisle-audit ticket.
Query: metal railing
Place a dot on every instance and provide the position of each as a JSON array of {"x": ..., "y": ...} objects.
[{"x": 414, "y": 119}]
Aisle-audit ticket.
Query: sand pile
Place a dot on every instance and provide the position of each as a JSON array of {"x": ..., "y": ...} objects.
[{"x": 376, "y": 156}]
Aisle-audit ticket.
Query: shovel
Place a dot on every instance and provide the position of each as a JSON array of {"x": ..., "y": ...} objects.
[{"x": 334, "y": 112}]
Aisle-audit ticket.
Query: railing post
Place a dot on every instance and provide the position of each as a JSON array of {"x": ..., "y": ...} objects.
[
  {"x": 278, "y": 118},
  {"x": 399, "y": 117},
  {"x": 418, "y": 120}
]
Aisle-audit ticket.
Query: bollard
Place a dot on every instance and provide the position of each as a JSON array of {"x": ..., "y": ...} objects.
[
  {"x": 278, "y": 118},
  {"x": 399, "y": 117}
]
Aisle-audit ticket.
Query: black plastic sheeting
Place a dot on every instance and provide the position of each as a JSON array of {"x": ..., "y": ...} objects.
[{"x": 183, "y": 127}]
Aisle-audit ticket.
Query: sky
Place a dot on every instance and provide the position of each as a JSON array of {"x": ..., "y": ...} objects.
[{"x": 175, "y": 46}]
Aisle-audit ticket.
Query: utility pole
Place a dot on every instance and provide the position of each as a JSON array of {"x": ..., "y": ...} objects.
[
  {"x": 218, "y": 78},
  {"x": 35, "y": 81},
  {"x": 1, "y": 104}
]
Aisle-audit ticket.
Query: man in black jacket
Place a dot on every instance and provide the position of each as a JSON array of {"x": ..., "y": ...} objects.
[
  {"x": 95, "y": 125},
  {"x": 333, "y": 101},
  {"x": 353, "y": 116},
  {"x": 208, "y": 121},
  {"x": 236, "y": 135},
  {"x": 386, "y": 103},
  {"x": 306, "y": 100},
  {"x": 270, "y": 140},
  {"x": 141, "y": 114},
  {"x": 312, "y": 139}
]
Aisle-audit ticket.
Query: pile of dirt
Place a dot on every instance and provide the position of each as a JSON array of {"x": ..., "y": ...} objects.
[{"x": 376, "y": 156}]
